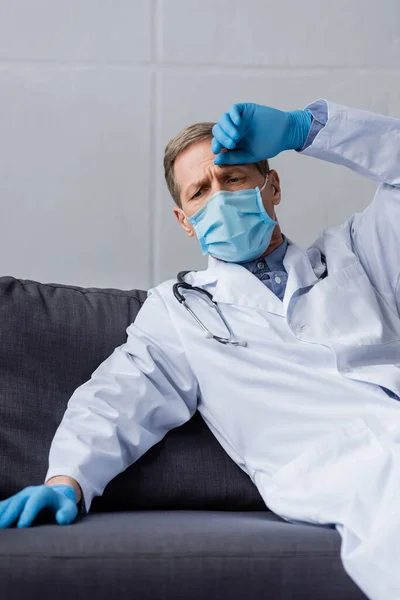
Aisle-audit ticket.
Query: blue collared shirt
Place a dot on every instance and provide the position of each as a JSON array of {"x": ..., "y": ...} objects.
[{"x": 270, "y": 269}]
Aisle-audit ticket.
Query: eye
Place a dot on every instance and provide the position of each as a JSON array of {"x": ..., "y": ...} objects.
[
  {"x": 197, "y": 194},
  {"x": 237, "y": 178}
]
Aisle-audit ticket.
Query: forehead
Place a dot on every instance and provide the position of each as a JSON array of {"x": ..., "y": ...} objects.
[{"x": 196, "y": 161}]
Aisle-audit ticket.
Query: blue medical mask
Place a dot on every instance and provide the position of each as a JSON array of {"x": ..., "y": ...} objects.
[{"x": 234, "y": 226}]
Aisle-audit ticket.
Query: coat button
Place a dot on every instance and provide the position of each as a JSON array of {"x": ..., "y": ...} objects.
[
  {"x": 277, "y": 279},
  {"x": 260, "y": 265}
]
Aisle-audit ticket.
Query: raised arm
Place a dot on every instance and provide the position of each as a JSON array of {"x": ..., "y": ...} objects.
[{"x": 365, "y": 142}]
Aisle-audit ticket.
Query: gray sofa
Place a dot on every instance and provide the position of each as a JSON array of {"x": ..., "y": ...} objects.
[{"x": 183, "y": 522}]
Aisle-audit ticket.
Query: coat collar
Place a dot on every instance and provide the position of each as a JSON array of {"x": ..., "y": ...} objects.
[{"x": 232, "y": 283}]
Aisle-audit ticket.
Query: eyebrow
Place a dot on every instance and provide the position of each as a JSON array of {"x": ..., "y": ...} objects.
[{"x": 200, "y": 182}]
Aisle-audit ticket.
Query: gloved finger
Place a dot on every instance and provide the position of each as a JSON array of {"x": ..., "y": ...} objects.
[
  {"x": 235, "y": 114},
  {"x": 234, "y": 157},
  {"x": 226, "y": 124},
  {"x": 10, "y": 511},
  {"x": 222, "y": 137},
  {"x": 34, "y": 504},
  {"x": 43, "y": 497},
  {"x": 67, "y": 513},
  {"x": 215, "y": 146}
]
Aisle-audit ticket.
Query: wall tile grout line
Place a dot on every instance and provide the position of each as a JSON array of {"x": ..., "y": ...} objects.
[
  {"x": 156, "y": 120},
  {"x": 208, "y": 67},
  {"x": 152, "y": 146},
  {"x": 152, "y": 180},
  {"x": 245, "y": 67}
]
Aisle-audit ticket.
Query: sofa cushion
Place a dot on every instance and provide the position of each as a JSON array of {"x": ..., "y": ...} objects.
[
  {"x": 53, "y": 337},
  {"x": 175, "y": 555}
]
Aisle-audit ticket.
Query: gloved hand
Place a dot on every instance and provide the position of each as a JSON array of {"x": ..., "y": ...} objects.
[
  {"x": 252, "y": 132},
  {"x": 26, "y": 504}
]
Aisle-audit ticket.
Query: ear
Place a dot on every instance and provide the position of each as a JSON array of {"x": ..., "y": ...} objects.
[
  {"x": 186, "y": 226},
  {"x": 275, "y": 186}
]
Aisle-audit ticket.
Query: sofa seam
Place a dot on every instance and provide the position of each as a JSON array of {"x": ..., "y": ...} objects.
[{"x": 174, "y": 556}]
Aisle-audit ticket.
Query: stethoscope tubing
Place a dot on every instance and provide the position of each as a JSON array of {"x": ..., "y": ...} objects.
[{"x": 181, "y": 299}]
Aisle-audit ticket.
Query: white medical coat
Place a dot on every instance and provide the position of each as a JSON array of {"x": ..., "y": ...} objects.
[{"x": 300, "y": 408}]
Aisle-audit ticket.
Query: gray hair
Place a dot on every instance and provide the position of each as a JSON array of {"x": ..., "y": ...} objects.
[{"x": 190, "y": 135}]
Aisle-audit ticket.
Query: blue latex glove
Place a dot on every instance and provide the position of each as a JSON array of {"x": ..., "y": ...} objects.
[
  {"x": 252, "y": 132},
  {"x": 26, "y": 504}
]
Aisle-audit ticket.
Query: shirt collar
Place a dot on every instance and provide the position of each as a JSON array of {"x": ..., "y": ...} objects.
[{"x": 273, "y": 260}]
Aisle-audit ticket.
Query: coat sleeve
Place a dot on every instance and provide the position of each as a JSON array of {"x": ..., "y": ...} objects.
[
  {"x": 368, "y": 144},
  {"x": 141, "y": 391}
]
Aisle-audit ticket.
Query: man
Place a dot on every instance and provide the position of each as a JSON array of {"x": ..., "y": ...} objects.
[{"x": 303, "y": 392}]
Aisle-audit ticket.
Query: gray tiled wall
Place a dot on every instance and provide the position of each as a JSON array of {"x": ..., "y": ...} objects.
[{"x": 91, "y": 91}]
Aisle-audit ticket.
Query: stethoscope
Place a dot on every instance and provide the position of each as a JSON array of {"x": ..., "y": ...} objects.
[
  {"x": 232, "y": 340},
  {"x": 206, "y": 295}
]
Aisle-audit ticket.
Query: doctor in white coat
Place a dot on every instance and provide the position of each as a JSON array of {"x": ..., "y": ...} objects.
[{"x": 307, "y": 403}]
